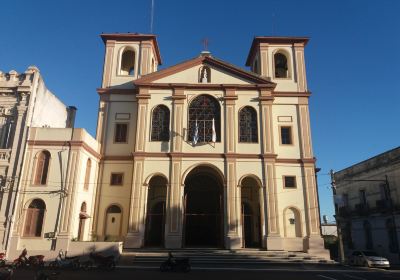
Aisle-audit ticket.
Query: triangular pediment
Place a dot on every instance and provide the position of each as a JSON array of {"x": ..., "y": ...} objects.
[{"x": 192, "y": 72}]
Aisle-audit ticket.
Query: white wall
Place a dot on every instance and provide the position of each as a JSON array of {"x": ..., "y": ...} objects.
[{"x": 48, "y": 109}]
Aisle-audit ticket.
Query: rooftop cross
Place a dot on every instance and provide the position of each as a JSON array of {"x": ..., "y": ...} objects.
[{"x": 205, "y": 44}]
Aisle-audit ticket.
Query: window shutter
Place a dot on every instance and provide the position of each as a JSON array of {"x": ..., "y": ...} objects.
[
  {"x": 39, "y": 170},
  {"x": 28, "y": 220}
]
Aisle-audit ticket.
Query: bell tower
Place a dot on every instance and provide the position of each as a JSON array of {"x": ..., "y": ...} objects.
[
  {"x": 281, "y": 59},
  {"x": 128, "y": 56}
]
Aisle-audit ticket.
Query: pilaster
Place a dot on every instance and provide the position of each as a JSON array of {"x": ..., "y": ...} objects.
[
  {"x": 230, "y": 124},
  {"x": 232, "y": 208},
  {"x": 273, "y": 239},
  {"x": 108, "y": 62},
  {"x": 135, "y": 236},
  {"x": 178, "y": 98},
  {"x": 264, "y": 60},
  {"x": 136, "y": 221},
  {"x": 300, "y": 67},
  {"x": 266, "y": 100},
  {"x": 305, "y": 130},
  {"x": 174, "y": 221}
]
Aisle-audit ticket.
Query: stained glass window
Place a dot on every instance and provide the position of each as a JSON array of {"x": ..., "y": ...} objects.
[
  {"x": 248, "y": 125},
  {"x": 204, "y": 109},
  {"x": 160, "y": 124}
]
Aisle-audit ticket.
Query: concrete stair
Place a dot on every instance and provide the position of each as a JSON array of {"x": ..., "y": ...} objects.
[{"x": 218, "y": 257}]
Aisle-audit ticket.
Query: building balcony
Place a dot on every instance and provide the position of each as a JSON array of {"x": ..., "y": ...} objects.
[{"x": 5, "y": 156}]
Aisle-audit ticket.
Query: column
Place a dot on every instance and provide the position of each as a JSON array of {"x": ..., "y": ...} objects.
[
  {"x": 174, "y": 220},
  {"x": 272, "y": 238},
  {"x": 300, "y": 67},
  {"x": 313, "y": 242},
  {"x": 136, "y": 221},
  {"x": 231, "y": 191}
]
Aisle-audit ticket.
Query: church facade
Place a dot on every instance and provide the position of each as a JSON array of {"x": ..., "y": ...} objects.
[{"x": 204, "y": 153}]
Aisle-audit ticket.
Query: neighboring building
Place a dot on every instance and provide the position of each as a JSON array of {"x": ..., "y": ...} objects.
[
  {"x": 57, "y": 193},
  {"x": 329, "y": 229},
  {"x": 24, "y": 102},
  {"x": 206, "y": 154},
  {"x": 368, "y": 205}
]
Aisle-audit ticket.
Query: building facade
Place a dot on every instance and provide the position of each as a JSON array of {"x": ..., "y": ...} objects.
[
  {"x": 57, "y": 193},
  {"x": 200, "y": 154},
  {"x": 204, "y": 153},
  {"x": 368, "y": 205},
  {"x": 24, "y": 102}
]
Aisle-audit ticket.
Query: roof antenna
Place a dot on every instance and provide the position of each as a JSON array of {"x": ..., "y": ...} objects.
[{"x": 151, "y": 16}]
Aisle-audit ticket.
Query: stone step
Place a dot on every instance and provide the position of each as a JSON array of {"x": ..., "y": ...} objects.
[{"x": 217, "y": 256}]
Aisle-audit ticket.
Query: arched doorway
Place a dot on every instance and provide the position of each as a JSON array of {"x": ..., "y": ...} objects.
[
  {"x": 155, "y": 218},
  {"x": 251, "y": 220},
  {"x": 203, "y": 209},
  {"x": 113, "y": 223}
]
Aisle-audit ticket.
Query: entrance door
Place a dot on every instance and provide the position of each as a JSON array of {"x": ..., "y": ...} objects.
[
  {"x": 155, "y": 217},
  {"x": 251, "y": 223},
  {"x": 113, "y": 223},
  {"x": 247, "y": 218},
  {"x": 203, "y": 219},
  {"x": 155, "y": 225}
]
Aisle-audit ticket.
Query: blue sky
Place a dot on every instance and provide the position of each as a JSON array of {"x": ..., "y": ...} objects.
[{"x": 352, "y": 58}]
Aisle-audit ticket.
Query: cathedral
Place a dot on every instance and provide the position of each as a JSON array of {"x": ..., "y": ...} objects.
[{"x": 202, "y": 154}]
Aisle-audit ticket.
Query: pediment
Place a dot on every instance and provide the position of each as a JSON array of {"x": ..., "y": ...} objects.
[{"x": 204, "y": 70}]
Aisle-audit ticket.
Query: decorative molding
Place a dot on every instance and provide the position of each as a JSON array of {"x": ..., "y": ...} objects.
[{"x": 54, "y": 143}]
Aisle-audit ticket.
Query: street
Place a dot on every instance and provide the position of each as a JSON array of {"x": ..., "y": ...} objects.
[{"x": 273, "y": 272}]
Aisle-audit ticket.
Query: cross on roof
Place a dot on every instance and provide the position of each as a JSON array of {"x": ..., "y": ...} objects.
[{"x": 205, "y": 44}]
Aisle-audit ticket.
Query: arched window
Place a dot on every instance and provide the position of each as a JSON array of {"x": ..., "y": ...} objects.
[
  {"x": 160, "y": 124},
  {"x": 203, "y": 110},
  {"x": 87, "y": 174},
  {"x": 128, "y": 63},
  {"x": 113, "y": 209},
  {"x": 34, "y": 218},
  {"x": 205, "y": 74},
  {"x": 248, "y": 125},
  {"x": 281, "y": 66},
  {"x": 368, "y": 235},
  {"x": 42, "y": 168},
  {"x": 392, "y": 236}
]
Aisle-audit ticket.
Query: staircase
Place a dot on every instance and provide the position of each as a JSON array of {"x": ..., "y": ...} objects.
[{"x": 217, "y": 257}]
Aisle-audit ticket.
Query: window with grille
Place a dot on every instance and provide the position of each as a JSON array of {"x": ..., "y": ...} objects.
[
  {"x": 286, "y": 135},
  {"x": 34, "y": 218},
  {"x": 116, "y": 179},
  {"x": 121, "y": 133},
  {"x": 248, "y": 125},
  {"x": 204, "y": 109},
  {"x": 289, "y": 181},
  {"x": 160, "y": 124}
]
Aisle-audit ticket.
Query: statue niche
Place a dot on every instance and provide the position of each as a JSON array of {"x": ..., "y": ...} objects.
[{"x": 204, "y": 74}]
